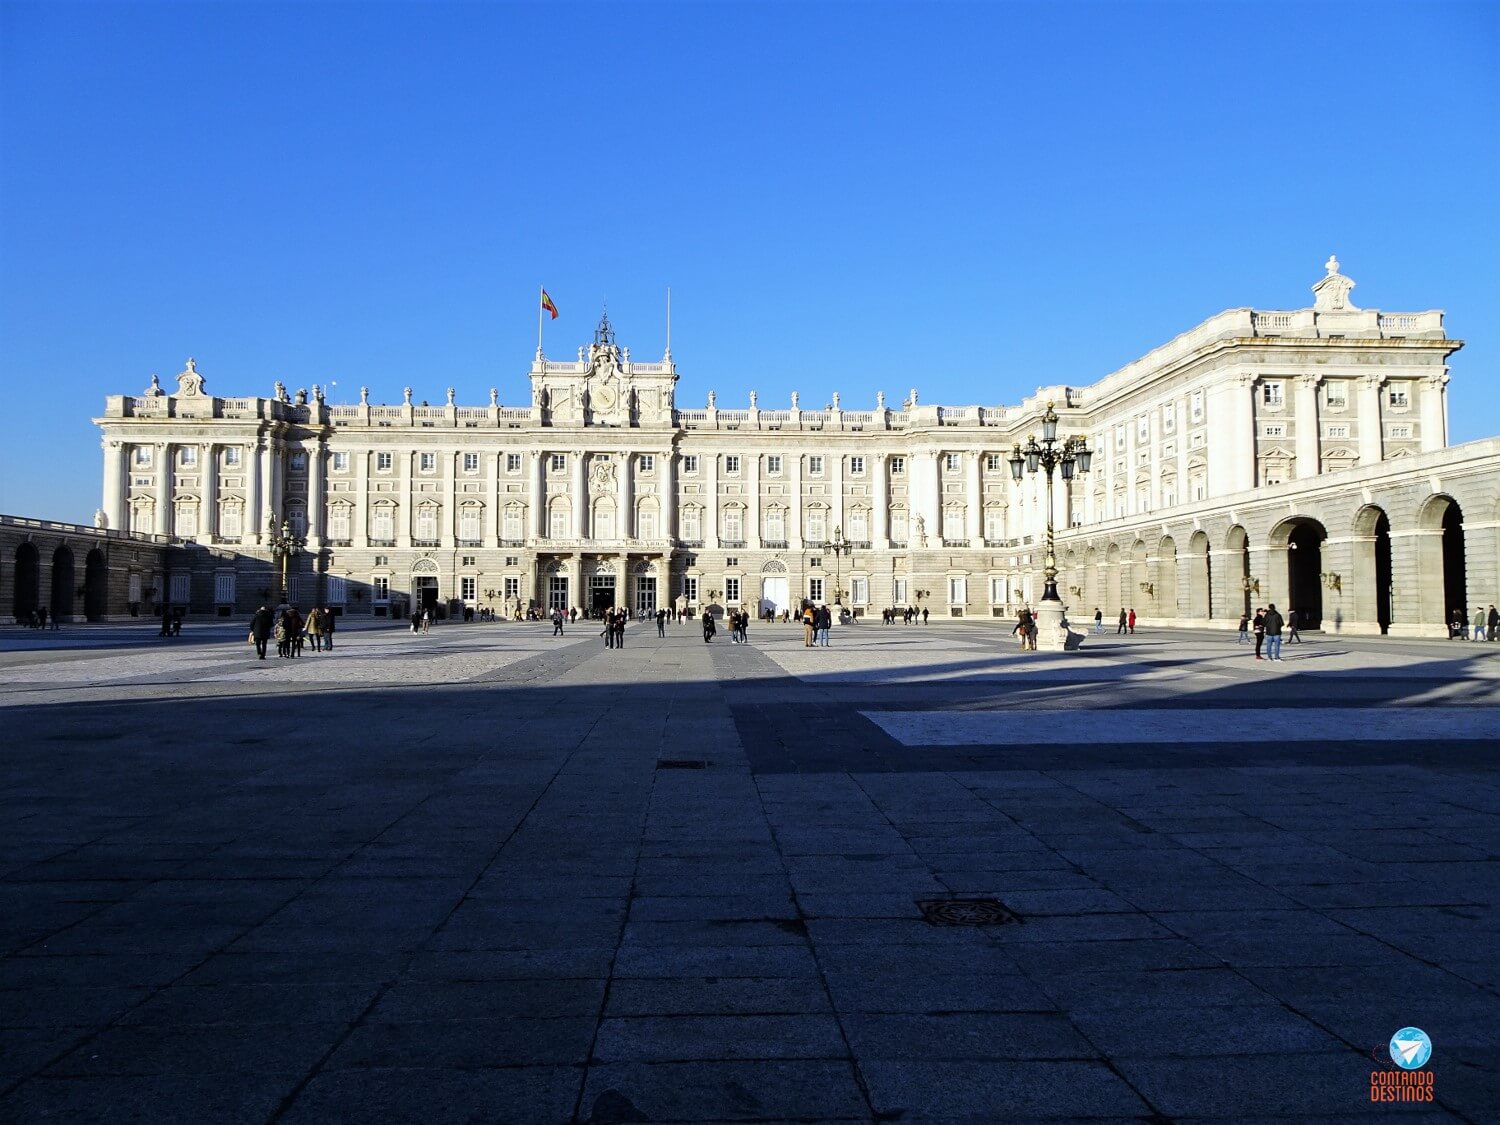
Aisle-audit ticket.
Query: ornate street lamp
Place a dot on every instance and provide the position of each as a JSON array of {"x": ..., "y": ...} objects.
[
  {"x": 1070, "y": 455},
  {"x": 284, "y": 547},
  {"x": 840, "y": 547}
]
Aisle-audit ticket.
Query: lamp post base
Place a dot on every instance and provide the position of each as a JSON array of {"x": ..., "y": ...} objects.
[{"x": 1052, "y": 632}]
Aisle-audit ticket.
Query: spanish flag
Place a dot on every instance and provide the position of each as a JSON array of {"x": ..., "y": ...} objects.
[{"x": 548, "y": 305}]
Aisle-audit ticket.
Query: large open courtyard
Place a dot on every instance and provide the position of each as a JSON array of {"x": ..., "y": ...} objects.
[{"x": 487, "y": 874}]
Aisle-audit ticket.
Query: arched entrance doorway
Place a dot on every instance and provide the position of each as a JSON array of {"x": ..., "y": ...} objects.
[
  {"x": 63, "y": 584},
  {"x": 424, "y": 586},
  {"x": 1303, "y": 540},
  {"x": 1371, "y": 580},
  {"x": 1200, "y": 578},
  {"x": 1166, "y": 577},
  {"x": 1441, "y": 573},
  {"x": 1237, "y": 546},
  {"x": 95, "y": 585},
  {"x": 26, "y": 578}
]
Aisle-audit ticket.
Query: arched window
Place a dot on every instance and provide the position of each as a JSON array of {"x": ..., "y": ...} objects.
[
  {"x": 557, "y": 520},
  {"x": 604, "y": 520},
  {"x": 645, "y": 521}
]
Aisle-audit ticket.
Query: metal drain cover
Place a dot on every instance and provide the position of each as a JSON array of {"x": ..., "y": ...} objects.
[
  {"x": 966, "y": 912},
  {"x": 681, "y": 764}
]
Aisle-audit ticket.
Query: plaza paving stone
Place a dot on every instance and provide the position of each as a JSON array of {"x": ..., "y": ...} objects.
[{"x": 443, "y": 878}]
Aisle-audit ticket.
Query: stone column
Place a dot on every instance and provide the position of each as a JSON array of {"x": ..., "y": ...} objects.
[
  {"x": 794, "y": 502},
  {"x": 536, "y": 495},
  {"x": 359, "y": 533},
  {"x": 835, "y": 465},
  {"x": 448, "y": 528},
  {"x": 1371, "y": 440},
  {"x": 316, "y": 501},
  {"x": 1231, "y": 415},
  {"x": 1434, "y": 407},
  {"x": 752, "y": 503},
  {"x": 578, "y": 495},
  {"x": 270, "y": 481},
  {"x": 626, "y": 528},
  {"x": 1305, "y": 418},
  {"x": 164, "y": 488},
  {"x": 667, "y": 505},
  {"x": 406, "y": 514},
  {"x": 254, "y": 521},
  {"x": 974, "y": 502},
  {"x": 880, "y": 505},
  {"x": 208, "y": 516},
  {"x": 116, "y": 474},
  {"x": 710, "y": 463}
]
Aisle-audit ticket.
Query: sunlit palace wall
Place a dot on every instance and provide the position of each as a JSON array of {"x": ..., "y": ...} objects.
[{"x": 1294, "y": 456}]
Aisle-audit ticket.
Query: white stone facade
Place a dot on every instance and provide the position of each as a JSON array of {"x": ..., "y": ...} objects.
[{"x": 603, "y": 489}]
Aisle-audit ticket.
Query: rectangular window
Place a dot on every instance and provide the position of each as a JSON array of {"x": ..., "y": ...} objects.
[
  {"x": 188, "y": 456},
  {"x": 1275, "y": 431},
  {"x": 224, "y": 589},
  {"x": 815, "y": 589},
  {"x": 898, "y": 466},
  {"x": 1399, "y": 432},
  {"x": 859, "y": 526},
  {"x": 512, "y": 560},
  {"x": 187, "y": 520},
  {"x": 1197, "y": 406},
  {"x": 382, "y": 462},
  {"x": 339, "y": 462},
  {"x": 731, "y": 560},
  {"x": 468, "y": 588},
  {"x": 645, "y": 525},
  {"x": 773, "y": 465},
  {"x": 427, "y": 524},
  {"x": 468, "y": 524},
  {"x": 691, "y": 532},
  {"x": 732, "y": 590},
  {"x": 993, "y": 462},
  {"x": 471, "y": 462},
  {"x": 181, "y": 589},
  {"x": 690, "y": 464},
  {"x": 1271, "y": 394},
  {"x": 1336, "y": 431},
  {"x": 232, "y": 457},
  {"x": 558, "y": 524},
  {"x": 898, "y": 525},
  {"x": 512, "y": 463},
  {"x": 731, "y": 465},
  {"x": 690, "y": 588},
  {"x": 1143, "y": 428},
  {"x": 339, "y": 522},
  {"x": 815, "y": 466},
  {"x": 143, "y": 456},
  {"x": 382, "y": 560},
  {"x": 382, "y": 585},
  {"x": 647, "y": 462},
  {"x": 511, "y": 524},
  {"x": 512, "y": 588},
  {"x": 338, "y": 590},
  {"x": 856, "y": 466},
  {"x": 1335, "y": 393},
  {"x": 734, "y": 528},
  {"x": 559, "y": 462},
  {"x": 958, "y": 591},
  {"x": 1119, "y": 437},
  {"x": 1169, "y": 417},
  {"x": 816, "y": 528},
  {"x": 383, "y": 524},
  {"x": 899, "y": 591},
  {"x": 1396, "y": 396},
  {"x": 299, "y": 462},
  {"x": 950, "y": 462},
  {"x": 427, "y": 462},
  {"x": 999, "y": 588},
  {"x": 859, "y": 590}
]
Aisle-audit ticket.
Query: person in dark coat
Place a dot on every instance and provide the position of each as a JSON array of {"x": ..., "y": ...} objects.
[
  {"x": 328, "y": 621},
  {"x": 708, "y": 626},
  {"x": 260, "y": 630},
  {"x": 661, "y": 623}
]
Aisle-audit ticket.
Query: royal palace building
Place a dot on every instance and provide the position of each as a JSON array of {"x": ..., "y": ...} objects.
[{"x": 1294, "y": 456}]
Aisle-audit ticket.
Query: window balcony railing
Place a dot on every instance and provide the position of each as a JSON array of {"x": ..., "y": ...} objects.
[
  {"x": 774, "y": 544},
  {"x": 732, "y": 544},
  {"x": 898, "y": 544},
  {"x": 512, "y": 542},
  {"x": 382, "y": 542},
  {"x": 338, "y": 542},
  {"x": 955, "y": 542},
  {"x": 860, "y": 545},
  {"x": 424, "y": 542},
  {"x": 695, "y": 544},
  {"x": 471, "y": 542}
]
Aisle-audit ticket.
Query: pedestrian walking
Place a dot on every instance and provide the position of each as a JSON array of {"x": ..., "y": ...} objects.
[
  {"x": 708, "y": 625},
  {"x": 1274, "y": 623},
  {"x": 557, "y": 622},
  {"x": 1478, "y": 624},
  {"x": 1293, "y": 619},
  {"x": 1244, "y": 629},
  {"x": 260, "y": 630},
  {"x": 329, "y": 617},
  {"x": 808, "y": 628},
  {"x": 1259, "y": 625},
  {"x": 314, "y": 628},
  {"x": 1494, "y": 622},
  {"x": 1131, "y": 621},
  {"x": 1023, "y": 628},
  {"x": 661, "y": 623},
  {"x": 924, "y": 615},
  {"x": 1123, "y": 622},
  {"x": 1098, "y": 621}
]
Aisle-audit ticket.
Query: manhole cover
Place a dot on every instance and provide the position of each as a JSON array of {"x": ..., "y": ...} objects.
[
  {"x": 966, "y": 912},
  {"x": 681, "y": 764}
]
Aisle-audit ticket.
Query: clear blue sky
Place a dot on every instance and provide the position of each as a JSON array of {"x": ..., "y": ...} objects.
[{"x": 974, "y": 199}]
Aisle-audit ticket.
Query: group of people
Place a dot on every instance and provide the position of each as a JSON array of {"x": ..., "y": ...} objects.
[
  {"x": 37, "y": 619},
  {"x": 817, "y": 623},
  {"x": 905, "y": 616},
  {"x": 421, "y": 620},
  {"x": 614, "y": 628},
  {"x": 291, "y": 630},
  {"x": 1025, "y": 628},
  {"x": 1486, "y": 625},
  {"x": 1267, "y": 625},
  {"x": 1126, "y": 623}
]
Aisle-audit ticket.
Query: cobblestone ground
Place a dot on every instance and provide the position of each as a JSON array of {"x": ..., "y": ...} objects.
[{"x": 452, "y": 878}]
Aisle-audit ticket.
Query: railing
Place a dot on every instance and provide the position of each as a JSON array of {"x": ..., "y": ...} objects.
[
  {"x": 424, "y": 542},
  {"x": 1270, "y": 320},
  {"x": 343, "y": 412},
  {"x": 471, "y": 542},
  {"x": 992, "y": 415},
  {"x": 859, "y": 417},
  {"x": 515, "y": 413},
  {"x": 691, "y": 544},
  {"x": 774, "y": 544},
  {"x": 732, "y": 544},
  {"x": 955, "y": 542},
  {"x": 334, "y": 542},
  {"x": 775, "y": 416},
  {"x": 382, "y": 542},
  {"x": 898, "y": 544},
  {"x": 734, "y": 416},
  {"x": 479, "y": 413},
  {"x": 947, "y": 415},
  {"x": 686, "y": 416},
  {"x": 387, "y": 413},
  {"x": 860, "y": 545},
  {"x": 512, "y": 542},
  {"x": 428, "y": 413}
]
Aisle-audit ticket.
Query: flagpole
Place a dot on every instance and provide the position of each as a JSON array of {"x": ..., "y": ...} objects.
[
  {"x": 668, "y": 356},
  {"x": 540, "y": 311}
]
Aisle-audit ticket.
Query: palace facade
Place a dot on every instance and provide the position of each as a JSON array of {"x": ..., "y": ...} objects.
[{"x": 1215, "y": 457}]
